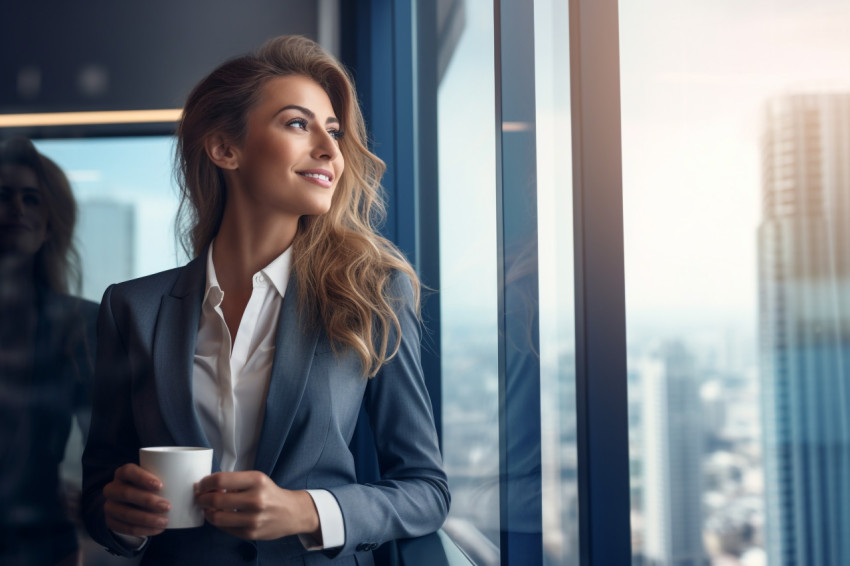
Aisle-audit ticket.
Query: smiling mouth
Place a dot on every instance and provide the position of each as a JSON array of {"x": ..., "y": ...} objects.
[{"x": 316, "y": 176}]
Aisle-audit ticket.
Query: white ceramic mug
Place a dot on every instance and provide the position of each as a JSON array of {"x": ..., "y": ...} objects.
[{"x": 179, "y": 468}]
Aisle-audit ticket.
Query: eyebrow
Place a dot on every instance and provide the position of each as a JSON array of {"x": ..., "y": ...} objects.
[{"x": 307, "y": 112}]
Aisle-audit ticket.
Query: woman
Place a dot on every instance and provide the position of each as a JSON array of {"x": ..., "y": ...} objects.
[
  {"x": 46, "y": 356},
  {"x": 293, "y": 313}
]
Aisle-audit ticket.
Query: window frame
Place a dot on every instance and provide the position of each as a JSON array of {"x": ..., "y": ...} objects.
[{"x": 394, "y": 54}]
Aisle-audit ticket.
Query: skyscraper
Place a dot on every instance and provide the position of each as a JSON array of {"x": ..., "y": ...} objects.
[
  {"x": 673, "y": 449},
  {"x": 106, "y": 234},
  {"x": 804, "y": 328}
]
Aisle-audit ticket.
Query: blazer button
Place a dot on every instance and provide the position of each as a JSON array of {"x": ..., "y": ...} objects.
[
  {"x": 364, "y": 546},
  {"x": 248, "y": 551}
]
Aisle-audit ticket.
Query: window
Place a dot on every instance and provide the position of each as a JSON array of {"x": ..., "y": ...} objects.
[
  {"x": 509, "y": 422},
  {"x": 126, "y": 204},
  {"x": 126, "y": 201},
  {"x": 735, "y": 121}
]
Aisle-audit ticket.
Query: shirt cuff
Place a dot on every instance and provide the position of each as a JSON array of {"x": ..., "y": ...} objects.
[
  {"x": 132, "y": 541},
  {"x": 330, "y": 522}
]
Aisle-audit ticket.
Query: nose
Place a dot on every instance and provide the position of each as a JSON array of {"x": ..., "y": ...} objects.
[{"x": 326, "y": 147}]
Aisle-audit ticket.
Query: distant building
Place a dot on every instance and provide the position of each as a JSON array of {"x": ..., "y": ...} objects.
[
  {"x": 804, "y": 329},
  {"x": 673, "y": 443},
  {"x": 106, "y": 235}
]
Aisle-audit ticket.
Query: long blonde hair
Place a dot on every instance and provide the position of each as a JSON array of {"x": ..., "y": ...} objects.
[{"x": 342, "y": 265}]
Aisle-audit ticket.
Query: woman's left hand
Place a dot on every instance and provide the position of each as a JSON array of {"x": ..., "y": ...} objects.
[{"x": 250, "y": 505}]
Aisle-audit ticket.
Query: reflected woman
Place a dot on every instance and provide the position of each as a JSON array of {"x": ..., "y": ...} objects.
[
  {"x": 46, "y": 356},
  {"x": 292, "y": 315}
]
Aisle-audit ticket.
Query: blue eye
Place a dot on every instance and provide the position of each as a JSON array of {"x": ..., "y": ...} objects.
[
  {"x": 336, "y": 134},
  {"x": 299, "y": 123}
]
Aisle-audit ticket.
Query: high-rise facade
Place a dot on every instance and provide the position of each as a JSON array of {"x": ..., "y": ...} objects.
[
  {"x": 804, "y": 329},
  {"x": 106, "y": 235},
  {"x": 673, "y": 450}
]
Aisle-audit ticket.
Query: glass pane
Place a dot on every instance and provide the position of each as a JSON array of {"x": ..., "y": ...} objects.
[
  {"x": 736, "y": 172},
  {"x": 127, "y": 202},
  {"x": 557, "y": 316},
  {"x": 469, "y": 283}
]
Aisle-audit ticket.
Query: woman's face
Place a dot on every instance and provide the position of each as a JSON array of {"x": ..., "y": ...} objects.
[
  {"x": 290, "y": 161},
  {"x": 23, "y": 213}
]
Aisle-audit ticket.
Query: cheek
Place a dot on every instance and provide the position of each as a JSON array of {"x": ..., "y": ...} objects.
[
  {"x": 339, "y": 168},
  {"x": 41, "y": 220}
]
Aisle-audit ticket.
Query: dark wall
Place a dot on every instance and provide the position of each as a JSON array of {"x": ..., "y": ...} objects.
[{"x": 118, "y": 55}]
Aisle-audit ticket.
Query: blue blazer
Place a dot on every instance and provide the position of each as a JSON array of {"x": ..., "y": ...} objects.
[{"x": 147, "y": 330}]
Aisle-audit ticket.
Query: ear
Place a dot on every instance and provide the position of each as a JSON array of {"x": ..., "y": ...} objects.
[{"x": 221, "y": 152}]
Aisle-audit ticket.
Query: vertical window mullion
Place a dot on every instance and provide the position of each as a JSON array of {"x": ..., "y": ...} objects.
[
  {"x": 601, "y": 379},
  {"x": 518, "y": 294}
]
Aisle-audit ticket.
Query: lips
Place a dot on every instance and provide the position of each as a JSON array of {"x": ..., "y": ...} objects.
[{"x": 321, "y": 177}]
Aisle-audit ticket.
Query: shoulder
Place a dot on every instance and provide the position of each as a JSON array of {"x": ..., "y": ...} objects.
[
  {"x": 178, "y": 281},
  {"x": 401, "y": 286},
  {"x": 155, "y": 283}
]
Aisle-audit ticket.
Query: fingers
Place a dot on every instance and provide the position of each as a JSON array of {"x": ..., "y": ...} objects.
[
  {"x": 134, "y": 474},
  {"x": 245, "y": 504},
  {"x": 250, "y": 525},
  {"x": 226, "y": 518},
  {"x": 239, "y": 501},
  {"x": 130, "y": 521},
  {"x": 129, "y": 493},
  {"x": 132, "y": 504},
  {"x": 233, "y": 481}
]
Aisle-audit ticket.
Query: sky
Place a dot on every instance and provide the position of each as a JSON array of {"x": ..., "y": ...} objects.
[{"x": 694, "y": 80}]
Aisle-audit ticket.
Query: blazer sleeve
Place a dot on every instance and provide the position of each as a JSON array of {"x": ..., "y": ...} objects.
[
  {"x": 112, "y": 440},
  {"x": 412, "y": 497}
]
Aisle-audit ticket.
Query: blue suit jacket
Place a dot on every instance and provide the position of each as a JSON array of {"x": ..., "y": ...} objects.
[{"x": 147, "y": 331}]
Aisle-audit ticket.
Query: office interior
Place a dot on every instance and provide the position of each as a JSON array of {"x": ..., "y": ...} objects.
[{"x": 630, "y": 222}]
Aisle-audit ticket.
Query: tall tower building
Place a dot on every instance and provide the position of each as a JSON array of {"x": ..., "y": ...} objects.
[
  {"x": 106, "y": 235},
  {"x": 804, "y": 329},
  {"x": 673, "y": 449}
]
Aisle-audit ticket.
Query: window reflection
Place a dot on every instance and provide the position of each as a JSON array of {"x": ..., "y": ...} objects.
[
  {"x": 469, "y": 290},
  {"x": 127, "y": 203},
  {"x": 557, "y": 292},
  {"x": 468, "y": 286}
]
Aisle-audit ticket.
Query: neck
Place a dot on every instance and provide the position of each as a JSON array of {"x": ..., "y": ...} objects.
[{"x": 243, "y": 246}]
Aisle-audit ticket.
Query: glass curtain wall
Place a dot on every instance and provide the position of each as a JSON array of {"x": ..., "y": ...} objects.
[
  {"x": 509, "y": 426},
  {"x": 736, "y": 176},
  {"x": 468, "y": 285},
  {"x": 127, "y": 201},
  {"x": 556, "y": 283}
]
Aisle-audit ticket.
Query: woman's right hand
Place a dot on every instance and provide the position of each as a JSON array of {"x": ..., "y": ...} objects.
[{"x": 132, "y": 505}]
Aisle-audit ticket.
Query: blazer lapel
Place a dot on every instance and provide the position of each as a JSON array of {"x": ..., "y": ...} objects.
[
  {"x": 174, "y": 351},
  {"x": 293, "y": 356}
]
